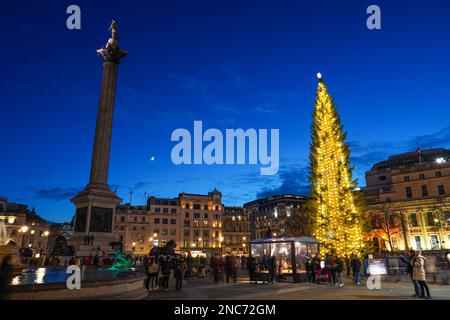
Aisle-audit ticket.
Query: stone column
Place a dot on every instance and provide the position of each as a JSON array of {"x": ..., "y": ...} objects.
[
  {"x": 111, "y": 55},
  {"x": 96, "y": 203}
]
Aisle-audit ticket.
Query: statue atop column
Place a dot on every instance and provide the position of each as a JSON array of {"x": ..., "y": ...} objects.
[{"x": 111, "y": 52}]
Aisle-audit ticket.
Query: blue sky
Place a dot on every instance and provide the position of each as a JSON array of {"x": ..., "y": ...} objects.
[{"x": 231, "y": 64}]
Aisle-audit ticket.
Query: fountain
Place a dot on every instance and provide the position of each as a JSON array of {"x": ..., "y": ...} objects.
[{"x": 7, "y": 247}]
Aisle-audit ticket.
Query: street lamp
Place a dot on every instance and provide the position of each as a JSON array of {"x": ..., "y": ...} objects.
[
  {"x": 24, "y": 230},
  {"x": 134, "y": 247},
  {"x": 43, "y": 256},
  {"x": 221, "y": 240}
]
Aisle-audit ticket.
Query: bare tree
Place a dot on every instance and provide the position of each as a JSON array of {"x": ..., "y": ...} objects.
[{"x": 385, "y": 224}]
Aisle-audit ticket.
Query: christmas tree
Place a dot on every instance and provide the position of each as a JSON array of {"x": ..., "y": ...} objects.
[{"x": 335, "y": 214}]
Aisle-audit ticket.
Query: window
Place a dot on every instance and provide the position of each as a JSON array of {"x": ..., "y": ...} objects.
[
  {"x": 438, "y": 174},
  {"x": 217, "y": 208},
  {"x": 441, "y": 190},
  {"x": 422, "y": 176},
  {"x": 173, "y": 232},
  {"x": 413, "y": 219},
  {"x": 165, "y": 202},
  {"x": 408, "y": 191},
  {"x": 165, "y": 221},
  {"x": 206, "y": 233},
  {"x": 447, "y": 216},
  {"x": 166, "y": 210},
  {"x": 205, "y": 207},
  {"x": 186, "y": 243},
  {"x": 434, "y": 242},
  {"x": 186, "y": 215},
  {"x": 164, "y": 232},
  {"x": 157, "y": 221},
  {"x": 173, "y": 210},
  {"x": 196, "y": 206},
  {"x": 430, "y": 219},
  {"x": 121, "y": 228},
  {"x": 206, "y": 243},
  {"x": 157, "y": 210},
  {"x": 406, "y": 178},
  {"x": 135, "y": 219},
  {"x": 187, "y": 223},
  {"x": 206, "y": 216},
  {"x": 196, "y": 233},
  {"x": 134, "y": 228},
  {"x": 143, "y": 228},
  {"x": 186, "y": 232},
  {"x": 173, "y": 221},
  {"x": 122, "y": 219},
  {"x": 196, "y": 215},
  {"x": 143, "y": 219},
  {"x": 418, "y": 242},
  {"x": 156, "y": 231},
  {"x": 205, "y": 223},
  {"x": 424, "y": 191}
]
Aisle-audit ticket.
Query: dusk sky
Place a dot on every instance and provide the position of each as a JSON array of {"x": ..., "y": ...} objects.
[{"x": 229, "y": 63}]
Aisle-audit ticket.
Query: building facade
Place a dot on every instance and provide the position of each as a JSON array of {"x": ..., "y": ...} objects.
[
  {"x": 24, "y": 227},
  {"x": 408, "y": 198},
  {"x": 193, "y": 221},
  {"x": 270, "y": 217},
  {"x": 236, "y": 231}
]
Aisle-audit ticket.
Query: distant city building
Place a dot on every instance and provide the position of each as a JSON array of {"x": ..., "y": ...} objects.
[
  {"x": 193, "y": 221},
  {"x": 269, "y": 217},
  {"x": 236, "y": 231},
  {"x": 24, "y": 227},
  {"x": 408, "y": 198}
]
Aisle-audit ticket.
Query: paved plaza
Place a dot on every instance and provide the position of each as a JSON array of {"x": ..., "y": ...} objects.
[{"x": 202, "y": 289}]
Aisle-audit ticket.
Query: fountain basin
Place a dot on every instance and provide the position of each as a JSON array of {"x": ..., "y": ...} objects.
[{"x": 50, "y": 284}]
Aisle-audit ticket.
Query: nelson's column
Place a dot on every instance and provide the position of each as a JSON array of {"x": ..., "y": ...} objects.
[{"x": 95, "y": 205}]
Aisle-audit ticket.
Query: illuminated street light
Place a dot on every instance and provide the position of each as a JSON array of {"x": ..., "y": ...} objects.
[
  {"x": 46, "y": 233},
  {"x": 24, "y": 229}
]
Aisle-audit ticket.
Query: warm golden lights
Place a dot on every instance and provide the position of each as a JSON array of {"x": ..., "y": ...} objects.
[{"x": 337, "y": 220}]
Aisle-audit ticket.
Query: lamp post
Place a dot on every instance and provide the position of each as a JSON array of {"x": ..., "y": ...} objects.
[
  {"x": 221, "y": 241},
  {"x": 24, "y": 230},
  {"x": 44, "y": 253}
]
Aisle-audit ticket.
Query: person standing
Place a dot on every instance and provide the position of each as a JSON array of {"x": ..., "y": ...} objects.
[
  {"x": 418, "y": 263},
  {"x": 272, "y": 268},
  {"x": 178, "y": 275},
  {"x": 340, "y": 264},
  {"x": 409, "y": 269},
  {"x": 251, "y": 266},
  {"x": 152, "y": 270},
  {"x": 355, "y": 264},
  {"x": 165, "y": 270},
  {"x": 315, "y": 267}
]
